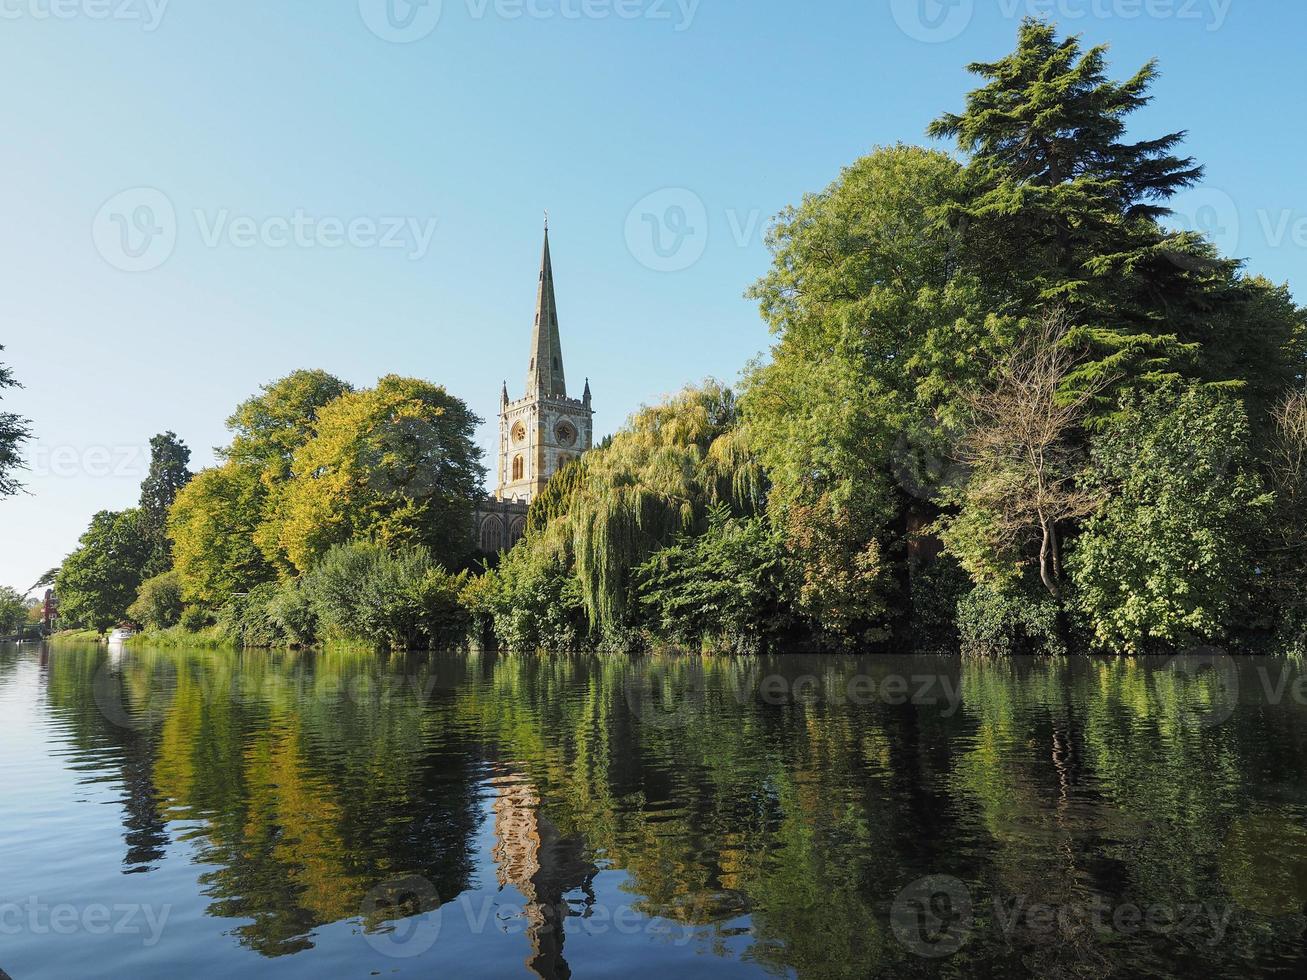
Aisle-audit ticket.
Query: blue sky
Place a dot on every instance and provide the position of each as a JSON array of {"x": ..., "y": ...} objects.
[{"x": 200, "y": 197}]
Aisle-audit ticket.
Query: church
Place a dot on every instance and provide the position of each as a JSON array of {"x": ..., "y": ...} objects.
[{"x": 539, "y": 433}]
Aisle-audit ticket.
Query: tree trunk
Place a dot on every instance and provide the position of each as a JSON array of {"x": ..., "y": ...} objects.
[{"x": 1047, "y": 557}]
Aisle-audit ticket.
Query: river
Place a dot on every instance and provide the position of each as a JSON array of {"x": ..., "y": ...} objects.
[{"x": 207, "y": 814}]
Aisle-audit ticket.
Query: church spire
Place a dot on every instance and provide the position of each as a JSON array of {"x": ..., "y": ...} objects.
[{"x": 545, "y": 375}]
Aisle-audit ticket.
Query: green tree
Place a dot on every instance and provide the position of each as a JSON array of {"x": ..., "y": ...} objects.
[
  {"x": 169, "y": 458},
  {"x": 1285, "y": 548},
  {"x": 14, "y": 432},
  {"x": 13, "y": 610},
  {"x": 655, "y": 480},
  {"x": 532, "y": 601},
  {"x": 396, "y": 463},
  {"x": 1067, "y": 210},
  {"x": 158, "y": 601},
  {"x": 723, "y": 586},
  {"x": 215, "y": 519},
  {"x": 99, "y": 580},
  {"x": 399, "y": 598},
  {"x": 1168, "y": 559},
  {"x": 268, "y": 428},
  {"x": 882, "y": 324},
  {"x": 212, "y": 524}
]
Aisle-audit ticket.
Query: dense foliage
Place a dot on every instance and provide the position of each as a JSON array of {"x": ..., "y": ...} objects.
[
  {"x": 13, "y": 610},
  {"x": 14, "y": 432},
  {"x": 98, "y": 581},
  {"x": 212, "y": 525},
  {"x": 357, "y": 592},
  {"x": 158, "y": 601},
  {"x": 725, "y": 586},
  {"x": 396, "y": 463},
  {"x": 169, "y": 458},
  {"x": 1169, "y": 558},
  {"x": 953, "y": 337}
]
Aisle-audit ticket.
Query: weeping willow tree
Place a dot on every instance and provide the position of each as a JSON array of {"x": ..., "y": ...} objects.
[{"x": 657, "y": 479}]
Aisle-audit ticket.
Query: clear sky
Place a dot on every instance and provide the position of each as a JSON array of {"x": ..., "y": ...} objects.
[{"x": 199, "y": 197}]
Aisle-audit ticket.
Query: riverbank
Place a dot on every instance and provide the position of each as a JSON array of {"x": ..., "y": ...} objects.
[{"x": 79, "y": 635}]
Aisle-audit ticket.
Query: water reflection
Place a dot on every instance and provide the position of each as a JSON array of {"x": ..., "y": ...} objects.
[{"x": 1097, "y": 817}]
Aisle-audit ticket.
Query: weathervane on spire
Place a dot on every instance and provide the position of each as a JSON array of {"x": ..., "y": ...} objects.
[{"x": 546, "y": 219}]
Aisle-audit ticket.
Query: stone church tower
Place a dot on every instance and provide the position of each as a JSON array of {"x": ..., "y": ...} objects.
[{"x": 544, "y": 430}]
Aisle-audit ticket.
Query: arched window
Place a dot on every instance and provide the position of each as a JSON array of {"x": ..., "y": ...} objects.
[
  {"x": 492, "y": 536},
  {"x": 517, "y": 467},
  {"x": 516, "y": 530}
]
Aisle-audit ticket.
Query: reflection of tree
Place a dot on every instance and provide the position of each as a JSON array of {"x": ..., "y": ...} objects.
[
  {"x": 780, "y": 832},
  {"x": 303, "y": 794},
  {"x": 72, "y": 679},
  {"x": 776, "y": 814}
]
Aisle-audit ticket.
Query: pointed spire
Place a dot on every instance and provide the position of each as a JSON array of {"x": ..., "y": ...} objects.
[
  {"x": 503, "y": 396},
  {"x": 586, "y": 396},
  {"x": 545, "y": 375}
]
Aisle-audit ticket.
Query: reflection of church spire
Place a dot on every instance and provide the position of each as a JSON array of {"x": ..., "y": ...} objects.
[{"x": 544, "y": 866}]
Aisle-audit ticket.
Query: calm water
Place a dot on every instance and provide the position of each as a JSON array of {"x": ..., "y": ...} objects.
[{"x": 198, "y": 814}]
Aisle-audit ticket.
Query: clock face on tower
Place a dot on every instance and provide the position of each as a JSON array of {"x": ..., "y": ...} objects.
[{"x": 565, "y": 433}]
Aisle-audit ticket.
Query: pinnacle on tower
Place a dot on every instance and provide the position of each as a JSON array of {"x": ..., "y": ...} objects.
[{"x": 545, "y": 375}]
